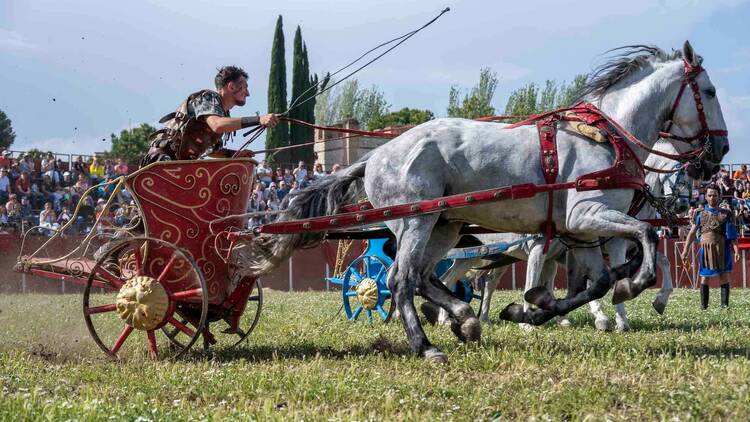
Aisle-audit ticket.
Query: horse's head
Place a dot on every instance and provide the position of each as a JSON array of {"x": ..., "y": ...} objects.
[{"x": 694, "y": 123}]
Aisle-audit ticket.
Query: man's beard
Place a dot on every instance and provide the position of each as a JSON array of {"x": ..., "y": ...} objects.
[{"x": 240, "y": 102}]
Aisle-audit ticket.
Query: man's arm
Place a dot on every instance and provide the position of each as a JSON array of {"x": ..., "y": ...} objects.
[
  {"x": 220, "y": 124},
  {"x": 688, "y": 241}
]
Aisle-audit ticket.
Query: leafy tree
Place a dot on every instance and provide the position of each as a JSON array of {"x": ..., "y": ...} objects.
[
  {"x": 279, "y": 135},
  {"x": 478, "y": 101},
  {"x": 371, "y": 104},
  {"x": 131, "y": 145},
  {"x": 348, "y": 101},
  {"x": 569, "y": 93},
  {"x": 405, "y": 116},
  {"x": 7, "y": 135},
  {"x": 323, "y": 109},
  {"x": 529, "y": 99}
]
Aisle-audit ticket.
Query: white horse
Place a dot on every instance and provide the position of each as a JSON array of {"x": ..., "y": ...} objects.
[
  {"x": 542, "y": 272},
  {"x": 456, "y": 156}
]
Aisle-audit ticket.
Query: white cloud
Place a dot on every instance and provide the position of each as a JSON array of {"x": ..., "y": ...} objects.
[
  {"x": 13, "y": 41},
  {"x": 734, "y": 109}
]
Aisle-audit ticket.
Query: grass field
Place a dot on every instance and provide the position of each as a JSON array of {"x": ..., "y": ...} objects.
[{"x": 303, "y": 362}]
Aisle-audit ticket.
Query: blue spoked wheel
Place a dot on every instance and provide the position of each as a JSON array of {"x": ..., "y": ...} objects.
[
  {"x": 364, "y": 290},
  {"x": 464, "y": 288}
]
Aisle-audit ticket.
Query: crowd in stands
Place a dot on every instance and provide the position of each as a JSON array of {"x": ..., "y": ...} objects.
[
  {"x": 44, "y": 192},
  {"x": 273, "y": 185}
]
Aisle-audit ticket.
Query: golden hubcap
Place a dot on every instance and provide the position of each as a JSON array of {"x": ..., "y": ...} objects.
[
  {"x": 367, "y": 293},
  {"x": 142, "y": 303}
]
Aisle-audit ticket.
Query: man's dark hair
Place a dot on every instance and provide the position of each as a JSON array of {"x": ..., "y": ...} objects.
[
  {"x": 228, "y": 74},
  {"x": 714, "y": 187}
]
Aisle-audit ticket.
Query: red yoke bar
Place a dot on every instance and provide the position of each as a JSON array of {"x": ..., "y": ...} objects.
[{"x": 360, "y": 218}]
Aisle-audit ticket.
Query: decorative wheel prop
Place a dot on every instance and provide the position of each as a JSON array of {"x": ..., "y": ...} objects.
[
  {"x": 365, "y": 291},
  {"x": 148, "y": 284},
  {"x": 464, "y": 289},
  {"x": 221, "y": 319}
]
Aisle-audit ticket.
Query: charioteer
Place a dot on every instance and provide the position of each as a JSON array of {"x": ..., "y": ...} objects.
[{"x": 201, "y": 124}]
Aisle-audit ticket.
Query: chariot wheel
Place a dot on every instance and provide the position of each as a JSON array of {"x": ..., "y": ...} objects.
[
  {"x": 365, "y": 292},
  {"x": 148, "y": 285},
  {"x": 224, "y": 335}
]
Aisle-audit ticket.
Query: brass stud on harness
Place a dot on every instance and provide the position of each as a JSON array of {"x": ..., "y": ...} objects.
[
  {"x": 415, "y": 208},
  {"x": 443, "y": 204},
  {"x": 360, "y": 218},
  {"x": 306, "y": 226},
  {"x": 498, "y": 194},
  {"x": 387, "y": 213},
  {"x": 469, "y": 198},
  {"x": 334, "y": 221}
]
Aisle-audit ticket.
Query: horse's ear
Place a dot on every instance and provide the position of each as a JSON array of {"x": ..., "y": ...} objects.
[{"x": 689, "y": 54}]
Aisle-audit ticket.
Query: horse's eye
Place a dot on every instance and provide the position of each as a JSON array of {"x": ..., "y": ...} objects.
[{"x": 711, "y": 92}]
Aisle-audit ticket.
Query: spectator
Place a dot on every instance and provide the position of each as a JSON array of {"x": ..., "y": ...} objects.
[
  {"x": 288, "y": 177},
  {"x": 67, "y": 180},
  {"x": 23, "y": 185},
  {"x": 282, "y": 191},
  {"x": 336, "y": 167},
  {"x": 64, "y": 217},
  {"x": 295, "y": 187},
  {"x": 278, "y": 176},
  {"x": 96, "y": 171},
  {"x": 318, "y": 172},
  {"x": 122, "y": 217},
  {"x": 14, "y": 174},
  {"x": 300, "y": 174},
  {"x": 273, "y": 201},
  {"x": 81, "y": 185},
  {"x": 27, "y": 165},
  {"x": 4, "y": 222},
  {"x": 5, "y": 160},
  {"x": 743, "y": 220},
  {"x": 259, "y": 192},
  {"x": 105, "y": 188},
  {"x": 109, "y": 169},
  {"x": 25, "y": 211},
  {"x": 80, "y": 168},
  {"x": 264, "y": 173},
  {"x": 725, "y": 184},
  {"x": 121, "y": 169},
  {"x": 741, "y": 173},
  {"x": 49, "y": 192},
  {"x": 4, "y": 185},
  {"x": 48, "y": 168},
  {"x": 48, "y": 219}
]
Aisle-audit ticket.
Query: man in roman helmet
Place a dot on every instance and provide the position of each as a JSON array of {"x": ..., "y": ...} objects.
[
  {"x": 717, "y": 232},
  {"x": 200, "y": 123}
]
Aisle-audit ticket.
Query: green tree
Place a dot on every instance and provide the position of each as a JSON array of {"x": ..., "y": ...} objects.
[
  {"x": 323, "y": 109},
  {"x": 371, "y": 104},
  {"x": 569, "y": 93},
  {"x": 131, "y": 145},
  {"x": 7, "y": 135},
  {"x": 303, "y": 100},
  {"x": 405, "y": 116},
  {"x": 279, "y": 135},
  {"x": 478, "y": 101}
]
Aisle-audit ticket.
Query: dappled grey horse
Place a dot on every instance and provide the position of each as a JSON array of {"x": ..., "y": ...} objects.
[
  {"x": 672, "y": 189},
  {"x": 454, "y": 156}
]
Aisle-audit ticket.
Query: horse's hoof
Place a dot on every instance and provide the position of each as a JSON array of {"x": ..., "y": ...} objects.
[
  {"x": 565, "y": 323},
  {"x": 486, "y": 321},
  {"x": 541, "y": 297},
  {"x": 622, "y": 291},
  {"x": 435, "y": 355},
  {"x": 513, "y": 313},
  {"x": 603, "y": 324},
  {"x": 659, "y": 306},
  {"x": 622, "y": 327},
  {"x": 527, "y": 328},
  {"x": 430, "y": 311},
  {"x": 470, "y": 330},
  {"x": 443, "y": 318}
]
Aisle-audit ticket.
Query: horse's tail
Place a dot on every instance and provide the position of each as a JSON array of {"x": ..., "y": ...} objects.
[{"x": 266, "y": 252}]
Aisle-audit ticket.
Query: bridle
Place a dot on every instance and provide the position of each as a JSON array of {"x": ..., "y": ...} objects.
[{"x": 690, "y": 74}]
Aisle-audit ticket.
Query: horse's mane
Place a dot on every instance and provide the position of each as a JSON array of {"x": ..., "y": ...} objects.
[{"x": 628, "y": 59}]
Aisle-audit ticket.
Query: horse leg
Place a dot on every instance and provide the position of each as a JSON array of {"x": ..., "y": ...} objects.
[
  {"x": 492, "y": 278},
  {"x": 666, "y": 283},
  {"x": 464, "y": 324},
  {"x": 534, "y": 270},
  {"x": 617, "y": 249},
  {"x": 577, "y": 282},
  {"x": 406, "y": 274},
  {"x": 449, "y": 279}
]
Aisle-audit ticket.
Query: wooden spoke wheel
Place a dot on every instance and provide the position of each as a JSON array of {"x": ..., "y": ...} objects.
[
  {"x": 365, "y": 292},
  {"x": 221, "y": 321},
  {"x": 147, "y": 285}
]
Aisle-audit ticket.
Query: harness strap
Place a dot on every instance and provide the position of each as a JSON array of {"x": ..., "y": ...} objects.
[{"x": 547, "y": 129}]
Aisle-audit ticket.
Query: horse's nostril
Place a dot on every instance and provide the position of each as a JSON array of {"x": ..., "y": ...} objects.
[{"x": 715, "y": 169}]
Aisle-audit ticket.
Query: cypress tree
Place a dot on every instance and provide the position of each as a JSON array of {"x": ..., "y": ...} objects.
[
  {"x": 278, "y": 136},
  {"x": 298, "y": 133}
]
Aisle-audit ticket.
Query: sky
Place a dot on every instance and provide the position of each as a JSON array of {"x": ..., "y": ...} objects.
[{"x": 75, "y": 71}]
